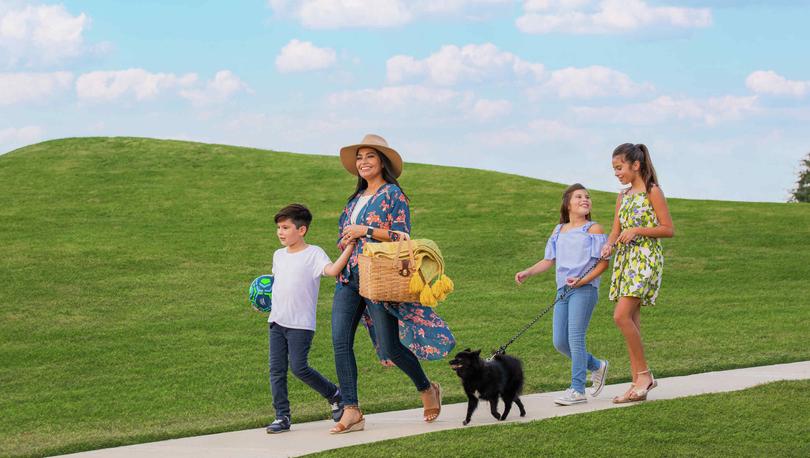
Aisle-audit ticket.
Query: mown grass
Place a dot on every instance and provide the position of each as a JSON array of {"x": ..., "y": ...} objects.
[
  {"x": 124, "y": 265},
  {"x": 768, "y": 420}
]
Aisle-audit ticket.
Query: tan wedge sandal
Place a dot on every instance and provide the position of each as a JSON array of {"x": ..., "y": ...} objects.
[
  {"x": 431, "y": 414},
  {"x": 635, "y": 394},
  {"x": 359, "y": 425}
]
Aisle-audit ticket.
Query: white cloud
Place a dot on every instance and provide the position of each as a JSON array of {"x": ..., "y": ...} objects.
[
  {"x": 534, "y": 132},
  {"x": 24, "y": 87},
  {"x": 221, "y": 88},
  {"x": 14, "y": 137},
  {"x": 550, "y": 129},
  {"x": 606, "y": 16},
  {"x": 332, "y": 14},
  {"x": 43, "y": 34},
  {"x": 302, "y": 56},
  {"x": 588, "y": 82},
  {"x": 485, "y": 110},
  {"x": 141, "y": 85},
  {"x": 133, "y": 82},
  {"x": 394, "y": 97},
  {"x": 772, "y": 83},
  {"x": 665, "y": 108},
  {"x": 452, "y": 64}
]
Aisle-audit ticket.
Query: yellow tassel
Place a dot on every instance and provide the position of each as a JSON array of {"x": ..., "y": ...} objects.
[
  {"x": 427, "y": 298},
  {"x": 437, "y": 289},
  {"x": 416, "y": 284},
  {"x": 449, "y": 286}
]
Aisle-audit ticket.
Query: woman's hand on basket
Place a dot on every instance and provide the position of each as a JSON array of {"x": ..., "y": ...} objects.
[{"x": 354, "y": 231}]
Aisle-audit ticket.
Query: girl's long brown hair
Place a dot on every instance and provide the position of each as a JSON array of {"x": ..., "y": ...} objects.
[
  {"x": 640, "y": 153},
  {"x": 566, "y": 201}
]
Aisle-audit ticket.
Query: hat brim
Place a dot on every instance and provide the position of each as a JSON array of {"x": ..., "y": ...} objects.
[{"x": 348, "y": 156}]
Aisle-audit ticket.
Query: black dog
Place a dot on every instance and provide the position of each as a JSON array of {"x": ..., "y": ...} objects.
[{"x": 502, "y": 377}]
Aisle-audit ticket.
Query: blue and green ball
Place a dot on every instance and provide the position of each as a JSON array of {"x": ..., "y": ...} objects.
[{"x": 261, "y": 293}]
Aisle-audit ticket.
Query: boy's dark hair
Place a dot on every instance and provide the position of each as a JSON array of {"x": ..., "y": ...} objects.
[{"x": 297, "y": 213}]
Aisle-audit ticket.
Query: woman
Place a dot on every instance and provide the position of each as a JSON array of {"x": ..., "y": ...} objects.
[{"x": 376, "y": 209}]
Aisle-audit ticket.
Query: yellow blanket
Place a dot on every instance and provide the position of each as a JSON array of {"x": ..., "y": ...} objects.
[{"x": 429, "y": 265}]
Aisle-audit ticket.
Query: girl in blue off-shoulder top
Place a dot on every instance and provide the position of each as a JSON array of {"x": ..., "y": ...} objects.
[{"x": 574, "y": 247}]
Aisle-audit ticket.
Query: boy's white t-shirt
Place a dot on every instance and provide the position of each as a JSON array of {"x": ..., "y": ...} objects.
[{"x": 296, "y": 281}]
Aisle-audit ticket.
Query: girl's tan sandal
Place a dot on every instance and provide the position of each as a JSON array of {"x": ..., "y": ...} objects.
[
  {"x": 358, "y": 425},
  {"x": 641, "y": 395},
  {"x": 635, "y": 394},
  {"x": 431, "y": 414},
  {"x": 625, "y": 398}
]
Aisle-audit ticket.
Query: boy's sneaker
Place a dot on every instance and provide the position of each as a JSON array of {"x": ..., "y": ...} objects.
[
  {"x": 598, "y": 379},
  {"x": 280, "y": 425},
  {"x": 336, "y": 404},
  {"x": 571, "y": 397}
]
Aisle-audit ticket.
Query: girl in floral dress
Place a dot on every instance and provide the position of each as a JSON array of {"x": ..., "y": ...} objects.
[{"x": 641, "y": 219}]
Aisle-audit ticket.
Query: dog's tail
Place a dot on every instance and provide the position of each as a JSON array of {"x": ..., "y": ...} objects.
[{"x": 513, "y": 367}]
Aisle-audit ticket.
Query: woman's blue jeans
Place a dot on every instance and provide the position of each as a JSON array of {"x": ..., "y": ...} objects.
[
  {"x": 571, "y": 318},
  {"x": 347, "y": 309}
]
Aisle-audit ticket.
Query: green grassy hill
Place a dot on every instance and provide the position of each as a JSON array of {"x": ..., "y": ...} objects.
[{"x": 124, "y": 266}]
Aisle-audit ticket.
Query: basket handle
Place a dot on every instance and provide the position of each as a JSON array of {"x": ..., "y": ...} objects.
[{"x": 404, "y": 270}]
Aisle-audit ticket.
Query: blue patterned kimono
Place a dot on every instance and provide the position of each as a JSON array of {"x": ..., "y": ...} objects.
[{"x": 420, "y": 328}]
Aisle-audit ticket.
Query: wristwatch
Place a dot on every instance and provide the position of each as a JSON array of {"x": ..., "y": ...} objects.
[{"x": 369, "y": 232}]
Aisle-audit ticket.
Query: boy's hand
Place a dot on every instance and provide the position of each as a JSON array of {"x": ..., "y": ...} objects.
[{"x": 521, "y": 276}]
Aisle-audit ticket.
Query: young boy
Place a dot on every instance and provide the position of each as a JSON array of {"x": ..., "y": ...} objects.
[{"x": 297, "y": 270}]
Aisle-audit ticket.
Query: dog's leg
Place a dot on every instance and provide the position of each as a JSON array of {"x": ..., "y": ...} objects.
[
  {"x": 493, "y": 407},
  {"x": 472, "y": 404},
  {"x": 507, "y": 402},
  {"x": 520, "y": 406}
]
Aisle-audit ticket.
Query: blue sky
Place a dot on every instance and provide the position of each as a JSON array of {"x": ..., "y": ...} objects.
[{"x": 719, "y": 90}]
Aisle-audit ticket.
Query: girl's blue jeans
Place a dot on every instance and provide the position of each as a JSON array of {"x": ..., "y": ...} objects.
[
  {"x": 347, "y": 309},
  {"x": 571, "y": 318}
]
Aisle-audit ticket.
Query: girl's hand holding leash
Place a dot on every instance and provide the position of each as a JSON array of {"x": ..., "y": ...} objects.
[
  {"x": 607, "y": 249},
  {"x": 572, "y": 282}
]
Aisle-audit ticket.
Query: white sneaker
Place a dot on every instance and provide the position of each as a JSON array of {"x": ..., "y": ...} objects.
[
  {"x": 598, "y": 379},
  {"x": 571, "y": 397}
]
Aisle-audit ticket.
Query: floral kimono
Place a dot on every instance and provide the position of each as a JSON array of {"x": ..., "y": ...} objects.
[{"x": 420, "y": 329}]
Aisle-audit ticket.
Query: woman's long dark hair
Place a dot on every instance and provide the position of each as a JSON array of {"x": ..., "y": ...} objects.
[
  {"x": 566, "y": 201},
  {"x": 640, "y": 153},
  {"x": 389, "y": 177}
]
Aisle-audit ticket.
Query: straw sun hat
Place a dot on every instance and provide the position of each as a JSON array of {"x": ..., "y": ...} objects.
[{"x": 348, "y": 154}]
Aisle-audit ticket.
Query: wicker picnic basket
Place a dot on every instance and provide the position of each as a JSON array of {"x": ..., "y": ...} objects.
[{"x": 388, "y": 280}]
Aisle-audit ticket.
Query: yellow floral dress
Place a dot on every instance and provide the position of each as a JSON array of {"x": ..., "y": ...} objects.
[{"x": 638, "y": 266}]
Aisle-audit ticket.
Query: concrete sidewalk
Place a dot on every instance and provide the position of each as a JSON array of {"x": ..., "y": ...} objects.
[{"x": 313, "y": 437}]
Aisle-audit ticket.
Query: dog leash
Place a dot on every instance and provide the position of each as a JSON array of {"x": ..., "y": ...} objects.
[{"x": 566, "y": 289}]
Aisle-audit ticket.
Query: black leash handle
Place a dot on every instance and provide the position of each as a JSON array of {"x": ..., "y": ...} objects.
[{"x": 567, "y": 289}]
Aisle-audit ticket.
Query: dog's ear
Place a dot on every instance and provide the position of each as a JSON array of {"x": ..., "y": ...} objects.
[
  {"x": 477, "y": 352},
  {"x": 467, "y": 349}
]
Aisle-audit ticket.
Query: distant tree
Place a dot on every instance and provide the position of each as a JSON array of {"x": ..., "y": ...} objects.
[{"x": 802, "y": 191}]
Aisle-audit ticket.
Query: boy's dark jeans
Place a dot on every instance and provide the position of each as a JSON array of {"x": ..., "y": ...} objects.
[{"x": 293, "y": 345}]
